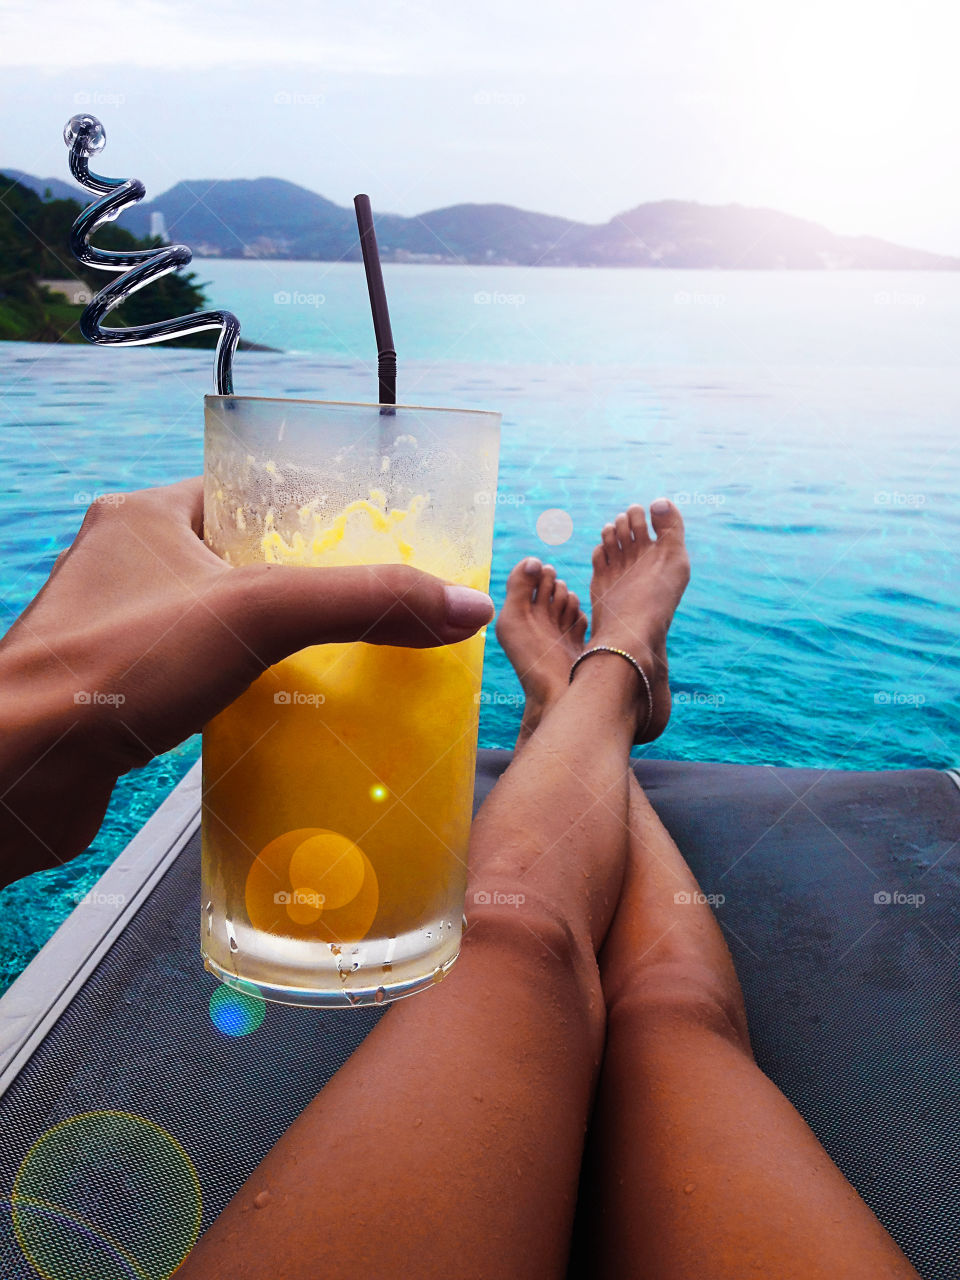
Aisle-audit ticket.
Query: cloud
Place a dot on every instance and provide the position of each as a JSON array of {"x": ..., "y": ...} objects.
[
  {"x": 384, "y": 37},
  {"x": 175, "y": 36}
]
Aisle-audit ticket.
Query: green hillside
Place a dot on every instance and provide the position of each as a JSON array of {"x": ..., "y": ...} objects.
[{"x": 35, "y": 245}]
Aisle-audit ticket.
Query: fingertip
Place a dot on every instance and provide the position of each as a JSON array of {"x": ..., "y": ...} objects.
[{"x": 467, "y": 608}]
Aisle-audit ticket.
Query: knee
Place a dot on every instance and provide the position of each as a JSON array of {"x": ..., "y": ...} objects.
[
  {"x": 515, "y": 920},
  {"x": 535, "y": 944},
  {"x": 677, "y": 995}
]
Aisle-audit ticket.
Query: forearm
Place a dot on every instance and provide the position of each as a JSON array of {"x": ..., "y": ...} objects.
[{"x": 54, "y": 783}]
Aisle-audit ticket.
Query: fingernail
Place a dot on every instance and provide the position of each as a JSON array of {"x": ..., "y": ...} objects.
[
  {"x": 660, "y": 505},
  {"x": 531, "y": 565},
  {"x": 466, "y": 607}
]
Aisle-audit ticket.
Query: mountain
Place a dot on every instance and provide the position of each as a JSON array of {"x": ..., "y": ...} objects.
[
  {"x": 58, "y": 190},
  {"x": 265, "y": 216},
  {"x": 478, "y": 233},
  {"x": 677, "y": 233},
  {"x": 272, "y": 218}
]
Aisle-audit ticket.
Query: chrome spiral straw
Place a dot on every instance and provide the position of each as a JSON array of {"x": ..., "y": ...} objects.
[{"x": 85, "y": 136}]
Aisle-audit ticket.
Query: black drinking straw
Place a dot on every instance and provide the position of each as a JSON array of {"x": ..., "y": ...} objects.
[{"x": 386, "y": 355}]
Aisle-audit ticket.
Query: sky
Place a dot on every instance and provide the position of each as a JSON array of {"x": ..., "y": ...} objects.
[{"x": 843, "y": 111}]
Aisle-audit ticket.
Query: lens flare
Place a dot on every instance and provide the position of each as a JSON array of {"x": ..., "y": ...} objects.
[
  {"x": 235, "y": 1011},
  {"x": 106, "y": 1194},
  {"x": 554, "y": 526},
  {"x": 312, "y": 883}
]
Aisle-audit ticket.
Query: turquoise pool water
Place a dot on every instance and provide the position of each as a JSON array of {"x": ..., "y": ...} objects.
[{"x": 807, "y": 424}]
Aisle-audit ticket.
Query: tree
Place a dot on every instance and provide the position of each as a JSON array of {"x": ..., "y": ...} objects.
[{"x": 35, "y": 245}]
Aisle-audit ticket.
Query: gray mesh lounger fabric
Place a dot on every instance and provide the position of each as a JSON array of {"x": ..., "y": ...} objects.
[{"x": 852, "y": 1002}]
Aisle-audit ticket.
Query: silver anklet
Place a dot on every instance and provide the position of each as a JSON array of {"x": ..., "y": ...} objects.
[{"x": 607, "y": 648}]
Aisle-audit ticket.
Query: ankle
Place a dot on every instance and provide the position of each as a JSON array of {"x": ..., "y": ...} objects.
[
  {"x": 614, "y": 683},
  {"x": 644, "y": 650}
]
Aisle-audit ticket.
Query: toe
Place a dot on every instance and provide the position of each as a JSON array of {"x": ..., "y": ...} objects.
[
  {"x": 579, "y": 628},
  {"x": 666, "y": 519},
  {"x": 523, "y": 580},
  {"x": 599, "y": 559},
  {"x": 608, "y": 535},
  {"x": 624, "y": 536},
  {"x": 638, "y": 525},
  {"x": 559, "y": 601},
  {"x": 548, "y": 578},
  {"x": 570, "y": 610}
]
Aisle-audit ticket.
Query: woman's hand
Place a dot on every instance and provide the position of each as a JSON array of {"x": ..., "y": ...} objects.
[{"x": 142, "y": 634}]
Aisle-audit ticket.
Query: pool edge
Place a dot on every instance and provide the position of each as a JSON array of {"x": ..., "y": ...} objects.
[{"x": 36, "y": 998}]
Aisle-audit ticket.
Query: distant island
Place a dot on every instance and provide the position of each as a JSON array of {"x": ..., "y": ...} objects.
[{"x": 272, "y": 218}]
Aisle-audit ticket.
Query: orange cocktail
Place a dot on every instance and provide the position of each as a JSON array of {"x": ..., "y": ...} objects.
[{"x": 338, "y": 789}]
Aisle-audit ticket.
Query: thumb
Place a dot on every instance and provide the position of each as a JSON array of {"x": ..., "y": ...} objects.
[{"x": 278, "y": 609}]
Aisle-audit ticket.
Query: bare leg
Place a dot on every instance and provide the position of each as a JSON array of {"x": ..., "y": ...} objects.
[
  {"x": 450, "y": 1143},
  {"x": 701, "y": 1167}
]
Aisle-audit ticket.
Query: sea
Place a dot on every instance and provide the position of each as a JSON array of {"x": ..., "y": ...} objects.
[{"x": 805, "y": 422}]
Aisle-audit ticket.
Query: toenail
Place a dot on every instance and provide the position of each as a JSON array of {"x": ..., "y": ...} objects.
[
  {"x": 661, "y": 506},
  {"x": 531, "y": 565}
]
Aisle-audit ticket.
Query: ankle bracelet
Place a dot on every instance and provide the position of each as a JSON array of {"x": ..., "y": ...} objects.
[{"x": 606, "y": 648}]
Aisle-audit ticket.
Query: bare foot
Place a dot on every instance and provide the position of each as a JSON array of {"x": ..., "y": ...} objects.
[
  {"x": 541, "y": 628},
  {"x": 636, "y": 587}
]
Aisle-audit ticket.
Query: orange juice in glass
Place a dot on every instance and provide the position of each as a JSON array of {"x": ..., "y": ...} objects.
[{"x": 338, "y": 789}]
